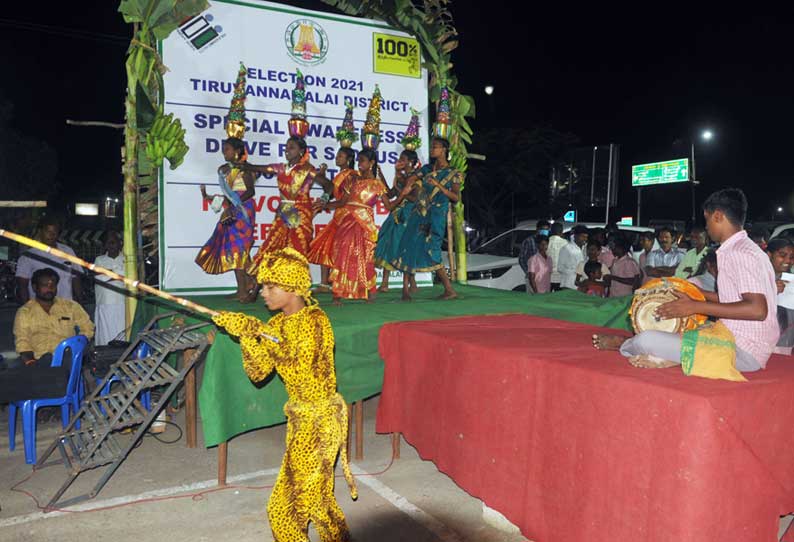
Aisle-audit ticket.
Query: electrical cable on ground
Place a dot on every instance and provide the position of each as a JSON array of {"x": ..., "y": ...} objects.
[{"x": 196, "y": 496}]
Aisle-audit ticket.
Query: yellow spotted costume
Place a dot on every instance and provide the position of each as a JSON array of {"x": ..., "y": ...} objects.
[{"x": 316, "y": 413}]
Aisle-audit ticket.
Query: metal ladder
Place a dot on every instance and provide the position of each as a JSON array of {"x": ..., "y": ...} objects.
[{"x": 94, "y": 436}]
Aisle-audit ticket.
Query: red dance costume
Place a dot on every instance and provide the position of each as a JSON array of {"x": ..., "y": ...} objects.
[
  {"x": 353, "y": 274},
  {"x": 292, "y": 226},
  {"x": 322, "y": 246}
]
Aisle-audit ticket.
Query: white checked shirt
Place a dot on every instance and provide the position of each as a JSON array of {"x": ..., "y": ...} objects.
[{"x": 745, "y": 269}]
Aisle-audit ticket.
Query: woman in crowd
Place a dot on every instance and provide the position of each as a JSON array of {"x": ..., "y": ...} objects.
[{"x": 781, "y": 254}]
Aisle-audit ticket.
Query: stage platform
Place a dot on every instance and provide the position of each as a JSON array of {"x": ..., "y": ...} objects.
[
  {"x": 572, "y": 443},
  {"x": 230, "y": 404}
]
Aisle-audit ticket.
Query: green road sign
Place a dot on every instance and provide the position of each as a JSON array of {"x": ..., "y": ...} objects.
[{"x": 672, "y": 171}]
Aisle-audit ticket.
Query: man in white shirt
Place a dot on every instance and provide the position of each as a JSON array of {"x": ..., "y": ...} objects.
[
  {"x": 109, "y": 294},
  {"x": 556, "y": 242},
  {"x": 69, "y": 286},
  {"x": 663, "y": 261},
  {"x": 570, "y": 256}
]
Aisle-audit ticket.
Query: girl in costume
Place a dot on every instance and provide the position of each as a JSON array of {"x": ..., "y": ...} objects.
[
  {"x": 292, "y": 226},
  {"x": 353, "y": 273},
  {"x": 320, "y": 249},
  {"x": 316, "y": 413},
  {"x": 436, "y": 186},
  {"x": 393, "y": 227},
  {"x": 228, "y": 248}
]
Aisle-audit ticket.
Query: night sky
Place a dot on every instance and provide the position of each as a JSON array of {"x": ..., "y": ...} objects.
[{"x": 607, "y": 76}]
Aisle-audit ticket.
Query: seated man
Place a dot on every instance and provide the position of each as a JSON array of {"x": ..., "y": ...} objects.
[
  {"x": 745, "y": 301},
  {"x": 39, "y": 326},
  {"x": 663, "y": 261}
]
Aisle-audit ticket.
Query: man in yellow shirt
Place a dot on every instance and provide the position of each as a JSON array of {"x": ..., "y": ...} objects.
[
  {"x": 40, "y": 325},
  {"x": 43, "y": 322}
]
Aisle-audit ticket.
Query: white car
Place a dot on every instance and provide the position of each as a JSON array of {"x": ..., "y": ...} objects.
[
  {"x": 784, "y": 230},
  {"x": 495, "y": 263}
]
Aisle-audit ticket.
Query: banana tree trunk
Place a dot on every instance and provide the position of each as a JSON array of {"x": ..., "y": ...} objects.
[
  {"x": 130, "y": 248},
  {"x": 460, "y": 241}
]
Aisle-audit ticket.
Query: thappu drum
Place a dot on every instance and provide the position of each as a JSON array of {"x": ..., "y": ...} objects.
[{"x": 657, "y": 292}]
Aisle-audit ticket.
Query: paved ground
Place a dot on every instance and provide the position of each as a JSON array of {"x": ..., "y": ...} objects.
[{"x": 410, "y": 501}]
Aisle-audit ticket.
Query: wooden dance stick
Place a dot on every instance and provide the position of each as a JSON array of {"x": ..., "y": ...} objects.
[{"x": 195, "y": 307}]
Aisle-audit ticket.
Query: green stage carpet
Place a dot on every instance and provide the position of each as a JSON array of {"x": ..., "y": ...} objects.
[{"x": 230, "y": 404}]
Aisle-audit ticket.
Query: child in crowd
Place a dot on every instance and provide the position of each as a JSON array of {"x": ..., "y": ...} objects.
[
  {"x": 625, "y": 275},
  {"x": 593, "y": 255},
  {"x": 539, "y": 268},
  {"x": 593, "y": 285}
]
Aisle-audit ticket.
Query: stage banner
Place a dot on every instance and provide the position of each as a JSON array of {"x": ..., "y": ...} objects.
[{"x": 340, "y": 57}]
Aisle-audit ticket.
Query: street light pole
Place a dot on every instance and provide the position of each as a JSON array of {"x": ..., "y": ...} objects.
[{"x": 692, "y": 182}]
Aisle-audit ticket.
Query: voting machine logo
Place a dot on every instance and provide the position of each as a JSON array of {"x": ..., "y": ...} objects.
[{"x": 200, "y": 32}]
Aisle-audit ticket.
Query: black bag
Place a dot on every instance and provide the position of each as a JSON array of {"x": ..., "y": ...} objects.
[{"x": 100, "y": 358}]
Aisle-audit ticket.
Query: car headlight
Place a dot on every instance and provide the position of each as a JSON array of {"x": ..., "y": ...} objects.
[{"x": 487, "y": 274}]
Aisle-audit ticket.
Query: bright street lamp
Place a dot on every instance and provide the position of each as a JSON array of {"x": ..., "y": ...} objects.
[
  {"x": 489, "y": 90},
  {"x": 780, "y": 209},
  {"x": 706, "y": 135}
]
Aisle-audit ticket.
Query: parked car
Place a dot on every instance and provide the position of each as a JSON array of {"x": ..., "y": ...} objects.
[
  {"x": 784, "y": 230},
  {"x": 495, "y": 263}
]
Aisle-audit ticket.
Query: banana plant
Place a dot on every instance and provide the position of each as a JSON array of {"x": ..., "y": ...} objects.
[
  {"x": 152, "y": 20},
  {"x": 432, "y": 24}
]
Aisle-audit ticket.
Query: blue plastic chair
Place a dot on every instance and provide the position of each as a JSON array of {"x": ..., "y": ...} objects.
[
  {"x": 69, "y": 402},
  {"x": 146, "y": 395}
]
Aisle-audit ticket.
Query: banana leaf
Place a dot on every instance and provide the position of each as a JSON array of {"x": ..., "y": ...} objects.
[{"x": 145, "y": 110}]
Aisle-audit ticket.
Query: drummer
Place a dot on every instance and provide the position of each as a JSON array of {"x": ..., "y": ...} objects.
[{"x": 745, "y": 301}]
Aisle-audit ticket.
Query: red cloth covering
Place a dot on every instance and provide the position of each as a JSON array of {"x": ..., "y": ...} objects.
[{"x": 575, "y": 444}]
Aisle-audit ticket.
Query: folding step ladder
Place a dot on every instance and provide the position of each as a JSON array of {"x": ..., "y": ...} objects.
[{"x": 94, "y": 436}]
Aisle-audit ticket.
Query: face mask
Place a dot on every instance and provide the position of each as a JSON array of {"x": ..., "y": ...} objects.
[{"x": 543, "y": 232}]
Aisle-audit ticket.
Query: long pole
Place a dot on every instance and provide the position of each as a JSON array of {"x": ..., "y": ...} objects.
[
  {"x": 639, "y": 204},
  {"x": 132, "y": 284},
  {"x": 609, "y": 184},
  {"x": 692, "y": 182},
  {"x": 592, "y": 179}
]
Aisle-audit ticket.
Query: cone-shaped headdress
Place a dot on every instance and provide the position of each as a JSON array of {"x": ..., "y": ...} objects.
[
  {"x": 346, "y": 135},
  {"x": 411, "y": 140},
  {"x": 298, "y": 125},
  {"x": 370, "y": 134},
  {"x": 442, "y": 127},
  {"x": 235, "y": 124}
]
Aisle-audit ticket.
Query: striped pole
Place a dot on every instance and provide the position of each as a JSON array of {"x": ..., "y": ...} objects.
[{"x": 108, "y": 273}]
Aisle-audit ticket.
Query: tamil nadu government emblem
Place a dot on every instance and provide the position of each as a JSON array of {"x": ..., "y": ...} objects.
[{"x": 306, "y": 41}]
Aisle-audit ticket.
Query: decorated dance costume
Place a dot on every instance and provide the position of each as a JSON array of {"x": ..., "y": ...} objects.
[
  {"x": 316, "y": 413},
  {"x": 353, "y": 274},
  {"x": 420, "y": 246},
  {"x": 292, "y": 226},
  {"x": 229, "y": 246},
  {"x": 393, "y": 228},
  {"x": 321, "y": 247}
]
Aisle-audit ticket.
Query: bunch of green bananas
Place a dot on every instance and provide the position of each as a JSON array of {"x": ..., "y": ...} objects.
[{"x": 166, "y": 139}]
